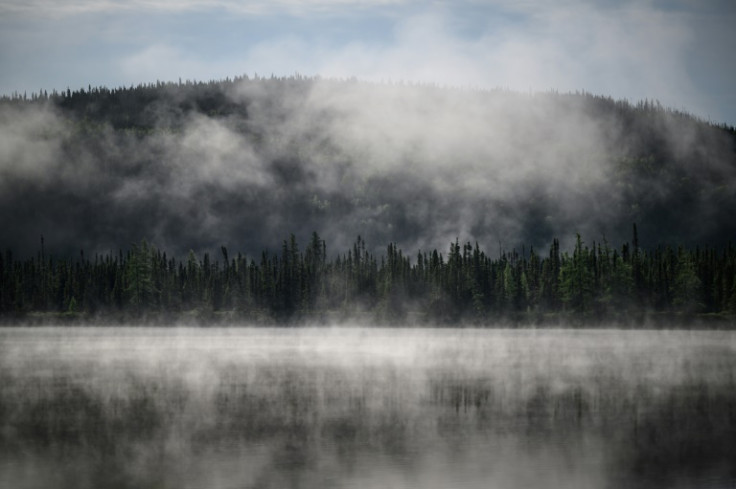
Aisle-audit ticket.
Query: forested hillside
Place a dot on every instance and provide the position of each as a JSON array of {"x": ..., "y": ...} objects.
[
  {"x": 242, "y": 163},
  {"x": 592, "y": 284}
]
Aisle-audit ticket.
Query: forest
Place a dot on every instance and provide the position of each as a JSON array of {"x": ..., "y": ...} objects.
[
  {"x": 595, "y": 284},
  {"x": 245, "y": 162},
  {"x": 189, "y": 170}
]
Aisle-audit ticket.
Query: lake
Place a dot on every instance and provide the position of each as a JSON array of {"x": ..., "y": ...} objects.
[{"x": 366, "y": 407}]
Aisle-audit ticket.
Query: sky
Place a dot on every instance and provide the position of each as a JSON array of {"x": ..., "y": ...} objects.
[{"x": 679, "y": 52}]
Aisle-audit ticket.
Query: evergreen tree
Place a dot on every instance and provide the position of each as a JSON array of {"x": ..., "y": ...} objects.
[
  {"x": 688, "y": 293},
  {"x": 576, "y": 279},
  {"x": 139, "y": 276}
]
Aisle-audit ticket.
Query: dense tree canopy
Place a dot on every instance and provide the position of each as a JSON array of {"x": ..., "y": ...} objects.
[{"x": 594, "y": 284}]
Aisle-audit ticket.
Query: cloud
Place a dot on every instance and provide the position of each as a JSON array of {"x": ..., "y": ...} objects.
[
  {"x": 632, "y": 51},
  {"x": 255, "y": 7},
  {"x": 668, "y": 51},
  {"x": 29, "y": 143}
]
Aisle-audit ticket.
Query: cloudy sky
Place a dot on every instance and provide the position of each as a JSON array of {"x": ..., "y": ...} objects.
[{"x": 680, "y": 52}]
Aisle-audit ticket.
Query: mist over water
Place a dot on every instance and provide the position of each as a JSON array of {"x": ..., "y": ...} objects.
[{"x": 365, "y": 407}]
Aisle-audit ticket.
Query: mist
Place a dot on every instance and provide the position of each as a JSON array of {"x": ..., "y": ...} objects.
[
  {"x": 344, "y": 407},
  {"x": 245, "y": 163}
]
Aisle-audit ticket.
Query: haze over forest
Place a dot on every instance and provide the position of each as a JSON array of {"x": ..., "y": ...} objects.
[
  {"x": 245, "y": 162},
  {"x": 429, "y": 248}
]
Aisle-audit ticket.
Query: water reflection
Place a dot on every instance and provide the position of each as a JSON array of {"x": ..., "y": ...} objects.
[{"x": 366, "y": 408}]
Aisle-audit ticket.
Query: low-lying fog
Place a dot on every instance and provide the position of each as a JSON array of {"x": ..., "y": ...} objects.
[{"x": 363, "y": 407}]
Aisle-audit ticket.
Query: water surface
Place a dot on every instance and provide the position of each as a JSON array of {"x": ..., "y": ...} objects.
[{"x": 362, "y": 407}]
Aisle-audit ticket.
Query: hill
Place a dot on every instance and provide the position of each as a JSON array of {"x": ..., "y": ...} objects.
[{"x": 245, "y": 162}]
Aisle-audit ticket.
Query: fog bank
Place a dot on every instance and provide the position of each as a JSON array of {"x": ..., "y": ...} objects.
[{"x": 244, "y": 163}]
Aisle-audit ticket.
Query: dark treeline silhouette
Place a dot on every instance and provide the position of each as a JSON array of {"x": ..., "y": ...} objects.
[
  {"x": 595, "y": 284},
  {"x": 125, "y": 107}
]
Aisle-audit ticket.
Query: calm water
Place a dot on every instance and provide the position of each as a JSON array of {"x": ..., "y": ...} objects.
[{"x": 363, "y": 408}]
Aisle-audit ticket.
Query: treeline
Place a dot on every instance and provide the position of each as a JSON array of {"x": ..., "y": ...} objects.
[
  {"x": 594, "y": 283},
  {"x": 129, "y": 107},
  {"x": 149, "y": 107}
]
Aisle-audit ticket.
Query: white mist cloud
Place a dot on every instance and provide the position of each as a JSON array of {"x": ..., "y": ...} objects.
[
  {"x": 29, "y": 144},
  {"x": 416, "y": 165},
  {"x": 209, "y": 153},
  {"x": 628, "y": 53}
]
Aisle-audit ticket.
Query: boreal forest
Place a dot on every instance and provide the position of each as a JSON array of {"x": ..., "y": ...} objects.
[
  {"x": 308, "y": 200},
  {"x": 595, "y": 284}
]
